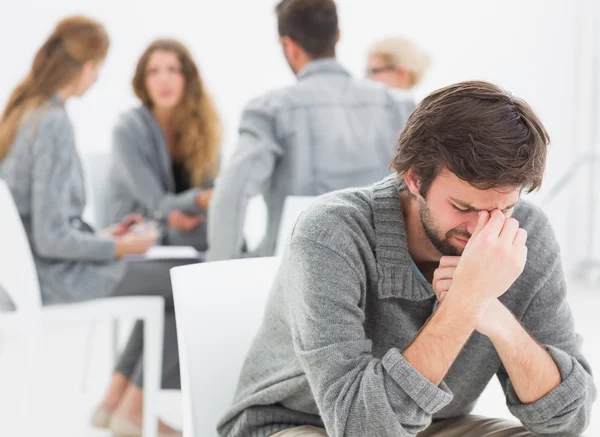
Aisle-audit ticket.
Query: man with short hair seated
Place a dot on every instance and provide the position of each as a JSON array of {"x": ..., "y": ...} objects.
[
  {"x": 326, "y": 132},
  {"x": 396, "y": 304}
]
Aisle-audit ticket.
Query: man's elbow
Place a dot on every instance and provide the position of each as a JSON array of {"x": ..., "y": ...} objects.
[{"x": 570, "y": 423}]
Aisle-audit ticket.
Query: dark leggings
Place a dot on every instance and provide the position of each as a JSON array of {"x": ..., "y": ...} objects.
[{"x": 151, "y": 278}]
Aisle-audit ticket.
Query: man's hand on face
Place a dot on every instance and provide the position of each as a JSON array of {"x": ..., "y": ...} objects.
[
  {"x": 442, "y": 280},
  {"x": 492, "y": 260}
]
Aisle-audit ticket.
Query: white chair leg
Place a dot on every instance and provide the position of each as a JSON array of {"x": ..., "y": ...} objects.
[
  {"x": 89, "y": 347},
  {"x": 114, "y": 341},
  {"x": 32, "y": 384},
  {"x": 153, "y": 347}
]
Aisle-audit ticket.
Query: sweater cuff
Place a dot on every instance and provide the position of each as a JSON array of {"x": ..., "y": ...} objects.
[
  {"x": 106, "y": 248},
  {"x": 187, "y": 200},
  {"x": 572, "y": 387},
  {"x": 429, "y": 397}
]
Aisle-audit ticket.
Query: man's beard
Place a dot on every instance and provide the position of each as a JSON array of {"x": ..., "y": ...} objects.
[{"x": 442, "y": 245}]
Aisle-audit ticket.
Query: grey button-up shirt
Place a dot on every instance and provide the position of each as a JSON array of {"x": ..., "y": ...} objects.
[{"x": 326, "y": 132}]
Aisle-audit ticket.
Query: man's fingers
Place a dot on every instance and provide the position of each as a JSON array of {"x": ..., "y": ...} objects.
[
  {"x": 484, "y": 217},
  {"x": 494, "y": 224},
  {"x": 520, "y": 237},
  {"x": 444, "y": 273},
  {"x": 449, "y": 261},
  {"x": 442, "y": 286},
  {"x": 509, "y": 231}
]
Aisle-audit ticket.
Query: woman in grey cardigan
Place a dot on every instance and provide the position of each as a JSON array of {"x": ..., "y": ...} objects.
[
  {"x": 40, "y": 164},
  {"x": 164, "y": 160},
  {"x": 166, "y": 151}
]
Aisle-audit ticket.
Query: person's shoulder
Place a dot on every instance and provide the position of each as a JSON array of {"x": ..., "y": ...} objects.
[
  {"x": 50, "y": 117},
  {"x": 341, "y": 220},
  {"x": 49, "y": 131},
  {"x": 299, "y": 94},
  {"x": 271, "y": 101},
  {"x": 543, "y": 250},
  {"x": 368, "y": 87},
  {"x": 378, "y": 92},
  {"x": 536, "y": 222},
  {"x": 372, "y": 86},
  {"x": 48, "y": 122},
  {"x": 132, "y": 119}
]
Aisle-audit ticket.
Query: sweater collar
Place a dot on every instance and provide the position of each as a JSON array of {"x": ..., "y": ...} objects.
[
  {"x": 159, "y": 143},
  {"x": 397, "y": 278}
]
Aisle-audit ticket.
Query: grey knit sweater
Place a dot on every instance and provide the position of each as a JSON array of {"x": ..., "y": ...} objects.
[
  {"x": 346, "y": 302},
  {"x": 45, "y": 177},
  {"x": 141, "y": 178}
]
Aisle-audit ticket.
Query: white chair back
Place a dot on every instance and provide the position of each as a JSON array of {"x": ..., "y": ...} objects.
[
  {"x": 97, "y": 168},
  {"x": 293, "y": 207},
  {"x": 219, "y": 308},
  {"x": 18, "y": 275},
  {"x": 255, "y": 223}
]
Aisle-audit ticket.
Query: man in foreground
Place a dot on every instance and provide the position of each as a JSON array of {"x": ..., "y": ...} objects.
[{"x": 355, "y": 342}]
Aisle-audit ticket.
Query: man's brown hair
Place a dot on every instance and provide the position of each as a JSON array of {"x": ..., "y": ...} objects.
[
  {"x": 313, "y": 24},
  {"x": 479, "y": 132}
]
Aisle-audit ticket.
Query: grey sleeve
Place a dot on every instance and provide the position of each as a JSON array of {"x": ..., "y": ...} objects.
[
  {"x": 53, "y": 236},
  {"x": 250, "y": 166},
  {"x": 133, "y": 167},
  {"x": 356, "y": 393},
  {"x": 566, "y": 410},
  {"x": 405, "y": 106}
]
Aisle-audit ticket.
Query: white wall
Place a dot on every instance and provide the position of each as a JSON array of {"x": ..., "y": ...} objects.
[{"x": 537, "y": 49}]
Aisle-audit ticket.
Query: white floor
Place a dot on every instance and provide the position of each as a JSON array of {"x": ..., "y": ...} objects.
[{"x": 65, "y": 408}]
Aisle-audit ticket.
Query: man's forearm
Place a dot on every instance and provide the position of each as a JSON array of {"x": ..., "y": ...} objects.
[
  {"x": 532, "y": 371},
  {"x": 436, "y": 347}
]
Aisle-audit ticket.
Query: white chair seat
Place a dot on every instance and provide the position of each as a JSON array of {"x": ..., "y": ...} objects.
[{"x": 138, "y": 307}]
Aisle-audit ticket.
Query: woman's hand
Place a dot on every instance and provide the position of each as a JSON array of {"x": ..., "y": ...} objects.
[
  {"x": 203, "y": 198},
  {"x": 183, "y": 222},
  {"x": 123, "y": 227},
  {"x": 136, "y": 243}
]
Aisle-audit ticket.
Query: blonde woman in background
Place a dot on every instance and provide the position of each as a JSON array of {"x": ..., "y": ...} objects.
[
  {"x": 40, "y": 164},
  {"x": 165, "y": 159},
  {"x": 74, "y": 262},
  {"x": 398, "y": 63},
  {"x": 166, "y": 151}
]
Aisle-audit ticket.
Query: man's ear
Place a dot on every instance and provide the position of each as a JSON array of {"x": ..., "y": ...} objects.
[
  {"x": 412, "y": 182},
  {"x": 289, "y": 46}
]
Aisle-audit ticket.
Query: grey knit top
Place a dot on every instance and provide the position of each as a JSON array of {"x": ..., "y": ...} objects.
[
  {"x": 346, "y": 302},
  {"x": 45, "y": 177}
]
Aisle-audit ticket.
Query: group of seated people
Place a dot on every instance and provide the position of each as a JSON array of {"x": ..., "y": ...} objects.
[{"x": 365, "y": 268}]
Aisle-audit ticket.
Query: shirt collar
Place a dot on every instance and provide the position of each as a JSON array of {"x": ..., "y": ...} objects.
[{"x": 322, "y": 66}]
